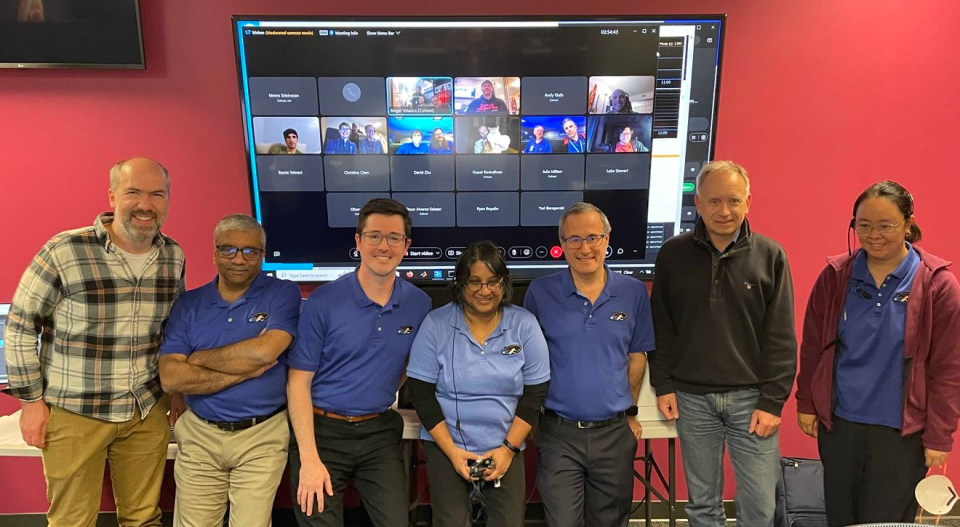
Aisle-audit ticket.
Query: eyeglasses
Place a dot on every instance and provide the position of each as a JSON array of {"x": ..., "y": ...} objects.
[
  {"x": 574, "y": 242},
  {"x": 249, "y": 253},
  {"x": 375, "y": 237},
  {"x": 884, "y": 228},
  {"x": 476, "y": 285}
]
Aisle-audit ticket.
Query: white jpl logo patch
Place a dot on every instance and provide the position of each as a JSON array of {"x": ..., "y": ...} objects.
[
  {"x": 257, "y": 317},
  {"x": 619, "y": 316},
  {"x": 405, "y": 330}
]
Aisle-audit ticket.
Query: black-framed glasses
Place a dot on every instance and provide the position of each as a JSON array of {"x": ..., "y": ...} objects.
[
  {"x": 249, "y": 253},
  {"x": 592, "y": 240},
  {"x": 375, "y": 237},
  {"x": 476, "y": 285},
  {"x": 885, "y": 228}
]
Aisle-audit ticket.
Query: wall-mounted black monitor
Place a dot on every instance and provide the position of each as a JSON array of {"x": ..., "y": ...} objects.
[
  {"x": 484, "y": 128},
  {"x": 98, "y": 34}
]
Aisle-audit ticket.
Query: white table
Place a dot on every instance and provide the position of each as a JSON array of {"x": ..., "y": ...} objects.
[{"x": 12, "y": 445}]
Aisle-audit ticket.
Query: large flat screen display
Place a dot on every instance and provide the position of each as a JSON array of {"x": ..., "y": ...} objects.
[{"x": 482, "y": 128}]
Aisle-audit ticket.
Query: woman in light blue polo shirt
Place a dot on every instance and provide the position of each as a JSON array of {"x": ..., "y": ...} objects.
[{"x": 478, "y": 374}]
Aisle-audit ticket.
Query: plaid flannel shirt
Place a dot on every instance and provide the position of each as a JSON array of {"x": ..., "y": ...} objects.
[{"x": 100, "y": 326}]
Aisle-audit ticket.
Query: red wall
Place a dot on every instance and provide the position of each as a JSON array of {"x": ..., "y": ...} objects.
[{"x": 819, "y": 99}]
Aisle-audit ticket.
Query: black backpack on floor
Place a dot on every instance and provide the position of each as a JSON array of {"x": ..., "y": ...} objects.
[{"x": 800, "y": 501}]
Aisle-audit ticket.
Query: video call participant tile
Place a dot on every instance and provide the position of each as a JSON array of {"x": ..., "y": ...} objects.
[
  {"x": 356, "y": 173},
  {"x": 488, "y": 173},
  {"x": 283, "y": 96},
  {"x": 289, "y": 173},
  {"x": 621, "y": 133},
  {"x": 487, "y": 95},
  {"x": 618, "y": 171},
  {"x": 419, "y": 95},
  {"x": 487, "y": 135},
  {"x": 286, "y": 135},
  {"x": 352, "y": 95},
  {"x": 421, "y": 173},
  {"x": 429, "y": 209},
  {"x": 488, "y": 209},
  {"x": 553, "y": 95},
  {"x": 554, "y": 172},
  {"x": 343, "y": 208},
  {"x": 543, "y": 209},
  {"x": 623, "y": 95}
]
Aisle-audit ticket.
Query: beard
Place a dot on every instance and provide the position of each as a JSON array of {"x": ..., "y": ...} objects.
[{"x": 140, "y": 234}]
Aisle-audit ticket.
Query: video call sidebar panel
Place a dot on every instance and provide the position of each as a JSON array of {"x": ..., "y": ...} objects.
[{"x": 356, "y": 106}]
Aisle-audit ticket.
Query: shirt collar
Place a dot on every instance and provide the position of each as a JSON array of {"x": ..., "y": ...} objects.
[
  {"x": 103, "y": 234},
  {"x": 363, "y": 300},
  {"x": 212, "y": 294},
  {"x": 457, "y": 320},
  {"x": 609, "y": 288},
  {"x": 861, "y": 272}
]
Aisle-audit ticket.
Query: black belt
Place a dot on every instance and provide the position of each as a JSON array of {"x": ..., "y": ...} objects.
[
  {"x": 554, "y": 416},
  {"x": 236, "y": 426}
]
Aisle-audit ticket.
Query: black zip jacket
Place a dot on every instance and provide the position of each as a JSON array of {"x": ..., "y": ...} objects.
[{"x": 724, "y": 321}]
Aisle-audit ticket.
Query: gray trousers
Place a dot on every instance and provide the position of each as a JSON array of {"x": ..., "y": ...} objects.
[{"x": 585, "y": 476}]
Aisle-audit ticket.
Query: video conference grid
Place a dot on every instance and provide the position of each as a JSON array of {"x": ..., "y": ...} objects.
[{"x": 442, "y": 116}]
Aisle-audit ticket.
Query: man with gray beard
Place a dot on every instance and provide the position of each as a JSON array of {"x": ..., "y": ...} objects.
[{"x": 98, "y": 297}]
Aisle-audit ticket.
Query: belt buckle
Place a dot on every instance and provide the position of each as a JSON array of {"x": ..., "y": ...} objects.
[
  {"x": 353, "y": 418},
  {"x": 580, "y": 425}
]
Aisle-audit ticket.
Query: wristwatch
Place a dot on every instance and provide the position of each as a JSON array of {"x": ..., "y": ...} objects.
[{"x": 632, "y": 411}]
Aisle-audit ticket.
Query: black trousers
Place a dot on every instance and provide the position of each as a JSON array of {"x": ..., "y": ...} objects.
[
  {"x": 449, "y": 493},
  {"x": 368, "y": 453},
  {"x": 585, "y": 477},
  {"x": 869, "y": 473}
]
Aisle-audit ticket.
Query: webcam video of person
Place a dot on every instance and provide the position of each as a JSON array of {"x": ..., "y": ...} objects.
[
  {"x": 419, "y": 95},
  {"x": 487, "y": 95},
  {"x": 421, "y": 135},
  {"x": 632, "y": 94}
]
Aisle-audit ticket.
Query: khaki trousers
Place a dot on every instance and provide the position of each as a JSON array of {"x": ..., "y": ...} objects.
[
  {"x": 75, "y": 456},
  {"x": 214, "y": 467}
]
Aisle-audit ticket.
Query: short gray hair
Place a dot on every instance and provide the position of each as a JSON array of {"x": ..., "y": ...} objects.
[
  {"x": 116, "y": 172},
  {"x": 582, "y": 207},
  {"x": 240, "y": 223},
  {"x": 723, "y": 167}
]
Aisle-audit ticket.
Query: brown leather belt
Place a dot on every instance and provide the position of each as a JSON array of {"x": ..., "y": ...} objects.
[{"x": 347, "y": 418}]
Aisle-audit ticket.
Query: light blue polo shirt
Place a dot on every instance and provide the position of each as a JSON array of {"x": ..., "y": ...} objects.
[
  {"x": 869, "y": 372},
  {"x": 590, "y": 343},
  {"x": 201, "y": 320},
  {"x": 357, "y": 347},
  {"x": 479, "y": 385}
]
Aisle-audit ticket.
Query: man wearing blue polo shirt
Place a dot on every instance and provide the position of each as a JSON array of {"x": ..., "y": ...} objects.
[
  {"x": 355, "y": 335},
  {"x": 223, "y": 347},
  {"x": 598, "y": 327}
]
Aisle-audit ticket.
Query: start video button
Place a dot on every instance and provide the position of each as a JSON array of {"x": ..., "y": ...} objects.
[{"x": 424, "y": 253}]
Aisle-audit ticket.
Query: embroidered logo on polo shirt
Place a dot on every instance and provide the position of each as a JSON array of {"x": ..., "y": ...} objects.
[
  {"x": 257, "y": 317},
  {"x": 512, "y": 349},
  {"x": 901, "y": 297},
  {"x": 405, "y": 330},
  {"x": 619, "y": 316}
]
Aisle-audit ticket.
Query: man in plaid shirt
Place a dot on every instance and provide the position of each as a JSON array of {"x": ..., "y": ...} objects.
[{"x": 97, "y": 297}]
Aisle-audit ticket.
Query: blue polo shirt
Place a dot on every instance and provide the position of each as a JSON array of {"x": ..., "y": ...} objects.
[
  {"x": 201, "y": 320},
  {"x": 480, "y": 385},
  {"x": 869, "y": 372},
  {"x": 590, "y": 343},
  {"x": 357, "y": 347}
]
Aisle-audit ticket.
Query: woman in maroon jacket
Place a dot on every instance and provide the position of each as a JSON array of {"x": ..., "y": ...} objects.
[{"x": 879, "y": 382}]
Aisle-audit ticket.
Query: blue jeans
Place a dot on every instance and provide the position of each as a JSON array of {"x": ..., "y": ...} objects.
[{"x": 705, "y": 422}]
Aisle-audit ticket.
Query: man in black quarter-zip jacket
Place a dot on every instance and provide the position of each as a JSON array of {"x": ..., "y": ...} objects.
[{"x": 726, "y": 352}]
